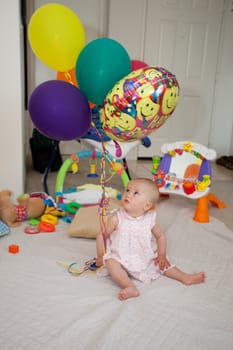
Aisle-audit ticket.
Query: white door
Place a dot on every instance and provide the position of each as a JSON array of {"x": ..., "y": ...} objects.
[{"x": 183, "y": 37}]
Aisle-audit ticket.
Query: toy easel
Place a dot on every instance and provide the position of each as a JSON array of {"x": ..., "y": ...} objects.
[{"x": 185, "y": 169}]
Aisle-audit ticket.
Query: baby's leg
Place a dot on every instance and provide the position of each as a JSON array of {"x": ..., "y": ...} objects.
[
  {"x": 186, "y": 278},
  {"x": 99, "y": 249},
  {"x": 120, "y": 276}
]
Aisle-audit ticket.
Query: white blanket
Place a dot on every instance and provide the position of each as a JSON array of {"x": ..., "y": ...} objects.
[{"x": 43, "y": 307}]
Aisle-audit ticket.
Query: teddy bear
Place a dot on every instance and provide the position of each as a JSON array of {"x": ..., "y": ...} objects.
[{"x": 26, "y": 207}]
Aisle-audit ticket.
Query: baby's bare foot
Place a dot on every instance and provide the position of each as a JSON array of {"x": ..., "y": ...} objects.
[
  {"x": 194, "y": 278},
  {"x": 127, "y": 293}
]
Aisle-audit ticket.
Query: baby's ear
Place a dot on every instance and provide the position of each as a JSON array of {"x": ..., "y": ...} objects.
[{"x": 149, "y": 206}]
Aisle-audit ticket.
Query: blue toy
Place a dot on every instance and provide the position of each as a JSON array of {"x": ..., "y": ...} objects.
[{"x": 4, "y": 229}]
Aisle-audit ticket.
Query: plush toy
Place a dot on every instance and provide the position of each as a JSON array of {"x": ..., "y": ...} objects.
[{"x": 26, "y": 208}]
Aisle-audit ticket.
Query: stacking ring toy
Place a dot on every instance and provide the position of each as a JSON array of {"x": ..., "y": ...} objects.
[
  {"x": 31, "y": 229},
  {"x": 46, "y": 226},
  {"x": 73, "y": 207},
  {"x": 49, "y": 218},
  {"x": 34, "y": 222}
]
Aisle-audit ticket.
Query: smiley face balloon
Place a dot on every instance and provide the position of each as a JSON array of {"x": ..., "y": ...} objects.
[{"x": 139, "y": 104}]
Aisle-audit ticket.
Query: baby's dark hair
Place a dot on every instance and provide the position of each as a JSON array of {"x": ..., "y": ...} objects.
[{"x": 153, "y": 190}]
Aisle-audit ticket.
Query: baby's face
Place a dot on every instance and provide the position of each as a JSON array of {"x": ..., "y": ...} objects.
[{"x": 135, "y": 199}]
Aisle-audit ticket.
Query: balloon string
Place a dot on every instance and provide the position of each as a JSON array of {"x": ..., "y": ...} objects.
[
  {"x": 104, "y": 201},
  {"x": 68, "y": 77}
]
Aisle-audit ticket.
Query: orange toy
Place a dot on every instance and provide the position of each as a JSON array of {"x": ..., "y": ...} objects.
[
  {"x": 46, "y": 226},
  {"x": 13, "y": 248},
  {"x": 202, "y": 212}
]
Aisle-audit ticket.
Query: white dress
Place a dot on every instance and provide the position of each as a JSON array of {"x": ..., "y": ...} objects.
[{"x": 133, "y": 245}]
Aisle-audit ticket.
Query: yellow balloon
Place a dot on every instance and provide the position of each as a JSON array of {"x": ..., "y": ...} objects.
[{"x": 56, "y": 36}]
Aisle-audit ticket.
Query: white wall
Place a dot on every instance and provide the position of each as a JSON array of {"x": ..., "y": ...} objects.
[
  {"x": 221, "y": 134},
  {"x": 11, "y": 134}
]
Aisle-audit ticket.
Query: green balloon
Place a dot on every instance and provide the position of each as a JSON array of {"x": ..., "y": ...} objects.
[{"x": 99, "y": 66}]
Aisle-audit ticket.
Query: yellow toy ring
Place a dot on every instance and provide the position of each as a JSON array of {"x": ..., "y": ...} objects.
[{"x": 51, "y": 219}]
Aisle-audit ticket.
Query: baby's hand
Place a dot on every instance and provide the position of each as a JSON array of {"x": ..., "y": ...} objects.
[
  {"x": 162, "y": 261},
  {"x": 99, "y": 261}
]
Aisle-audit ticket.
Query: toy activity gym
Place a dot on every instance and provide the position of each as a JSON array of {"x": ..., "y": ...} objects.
[{"x": 72, "y": 199}]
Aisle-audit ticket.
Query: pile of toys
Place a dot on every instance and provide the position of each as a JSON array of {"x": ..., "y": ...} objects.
[{"x": 38, "y": 208}]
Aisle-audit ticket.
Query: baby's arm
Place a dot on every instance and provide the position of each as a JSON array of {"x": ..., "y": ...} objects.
[
  {"x": 111, "y": 224},
  {"x": 160, "y": 237},
  {"x": 100, "y": 248}
]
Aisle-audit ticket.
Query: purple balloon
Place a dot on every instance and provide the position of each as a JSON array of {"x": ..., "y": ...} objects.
[{"x": 59, "y": 110}]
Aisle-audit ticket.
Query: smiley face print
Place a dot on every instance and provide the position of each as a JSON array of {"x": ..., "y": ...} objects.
[
  {"x": 116, "y": 92},
  {"x": 146, "y": 109},
  {"x": 107, "y": 116},
  {"x": 125, "y": 122},
  {"x": 170, "y": 100},
  {"x": 139, "y": 103},
  {"x": 152, "y": 73}
]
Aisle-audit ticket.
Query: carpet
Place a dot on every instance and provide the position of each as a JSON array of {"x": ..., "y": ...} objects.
[{"x": 45, "y": 307}]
